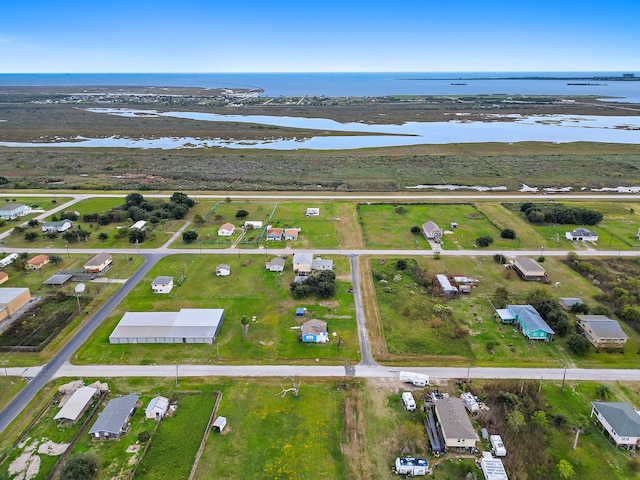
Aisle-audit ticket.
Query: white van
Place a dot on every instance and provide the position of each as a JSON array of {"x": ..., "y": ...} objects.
[{"x": 408, "y": 401}]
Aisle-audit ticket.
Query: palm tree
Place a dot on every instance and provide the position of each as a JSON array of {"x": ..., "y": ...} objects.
[
  {"x": 604, "y": 392},
  {"x": 245, "y": 326}
]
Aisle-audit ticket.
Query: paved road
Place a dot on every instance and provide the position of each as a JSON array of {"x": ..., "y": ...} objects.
[
  {"x": 48, "y": 371},
  {"x": 365, "y": 346}
]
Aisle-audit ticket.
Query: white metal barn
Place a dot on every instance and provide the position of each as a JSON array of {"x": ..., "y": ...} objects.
[{"x": 189, "y": 325}]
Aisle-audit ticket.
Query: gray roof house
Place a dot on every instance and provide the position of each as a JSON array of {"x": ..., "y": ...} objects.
[
  {"x": 529, "y": 269},
  {"x": 319, "y": 264},
  {"x": 59, "y": 227},
  {"x": 531, "y": 323},
  {"x": 11, "y": 211},
  {"x": 275, "y": 265},
  {"x": 456, "y": 427},
  {"x": 113, "y": 421},
  {"x": 432, "y": 231},
  {"x": 620, "y": 420},
  {"x": 581, "y": 235},
  {"x": 602, "y": 331},
  {"x": 568, "y": 302}
]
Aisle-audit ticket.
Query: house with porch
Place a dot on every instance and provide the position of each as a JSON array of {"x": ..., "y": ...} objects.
[
  {"x": 302, "y": 263},
  {"x": 529, "y": 269},
  {"x": 601, "y": 331},
  {"x": 531, "y": 324},
  {"x": 620, "y": 420},
  {"x": 11, "y": 211},
  {"x": 113, "y": 421},
  {"x": 432, "y": 231},
  {"x": 99, "y": 264},
  {"x": 274, "y": 234},
  {"x": 454, "y": 423},
  {"x": 314, "y": 331}
]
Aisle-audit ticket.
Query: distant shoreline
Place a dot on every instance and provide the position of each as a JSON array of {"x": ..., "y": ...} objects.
[{"x": 599, "y": 79}]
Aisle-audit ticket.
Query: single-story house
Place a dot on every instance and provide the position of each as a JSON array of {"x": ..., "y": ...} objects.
[
  {"x": 113, "y": 421},
  {"x": 76, "y": 405},
  {"x": 226, "y": 230},
  {"x": 11, "y": 211},
  {"x": 189, "y": 325},
  {"x": 255, "y": 224},
  {"x": 291, "y": 233},
  {"x": 302, "y": 263},
  {"x": 37, "y": 262},
  {"x": 223, "y": 270},
  {"x": 157, "y": 407},
  {"x": 162, "y": 284},
  {"x": 318, "y": 264},
  {"x": 581, "y": 235},
  {"x": 602, "y": 331},
  {"x": 312, "y": 212},
  {"x": 454, "y": 423},
  {"x": 57, "y": 227},
  {"x": 567, "y": 302},
  {"x": 99, "y": 264},
  {"x": 12, "y": 300},
  {"x": 492, "y": 468},
  {"x": 314, "y": 331},
  {"x": 139, "y": 225},
  {"x": 274, "y": 233},
  {"x": 276, "y": 265},
  {"x": 529, "y": 269},
  {"x": 432, "y": 231},
  {"x": 4, "y": 276},
  {"x": 57, "y": 280},
  {"x": 620, "y": 420},
  {"x": 531, "y": 323},
  {"x": 444, "y": 286}
]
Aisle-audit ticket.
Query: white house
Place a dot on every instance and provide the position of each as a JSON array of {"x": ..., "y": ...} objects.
[
  {"x": 59, "y": 227},
  {"x": 139, "y": 225},
  {"x": 302, "y": 263},
  {"x": 253, "y": 224},
  {"x": 226, "y": 230},
  {"x": 162, "y": 284},
  {"x": 318, "y": 264},
  {"x": 157, "y": 407},
  {"x": 432, "y": 231},
  {"x": 276, "y": 265},
  {"x": 11, "y": 211},
  {"x": 223, "y": 270},
  {"x": 99, "y": 264},
  {"x": 620, "y": 420},
  {"x": 312, "y": 212},
  {"x": 581, "y": 235}
]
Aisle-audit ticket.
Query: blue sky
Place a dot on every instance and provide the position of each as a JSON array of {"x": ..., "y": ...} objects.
[{"x": 328, "y": 36}]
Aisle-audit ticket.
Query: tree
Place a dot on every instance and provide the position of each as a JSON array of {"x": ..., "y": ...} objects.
[
  {"x": 539, "y": 418},
  {"x": 500, "y": 258},
  {"x": 198, "y": 220},
  {"x": 415, "y": 229},
  {"x": 244, "y": 320},
  {"x": 70, "y": 236},
  {"x": 83, "y": 235},
  {"x": 189, "y": 236},
  {"x": 580, "y": 308},
  {"x": 102, "y": 236},
  {"x": 182, "y": 198},
  {"x": 508, "y": 233},
  {"x": 55, "y": 259},
  {"x": 136, "y": 236},
  {"x": 80, "y": 466},
  {"x": 400, "y": 210},
  {"x": 31, "y": 236},
  {"x": 516, "y": 420},
  {"x": 33, "y": 222},
  {"x": 242, "y": 214},
  {"x": 401, "y": 264},
  {"x": 133, "y": 199},
  {"x": 535, "y": 216},
  {"x": 604, "y": 392},
  {"x": 565, "y": 469},
  {"x": 484, "y": 241},
  {"x": 578, "y": 344},
  {"x": 501, "y": 297}
]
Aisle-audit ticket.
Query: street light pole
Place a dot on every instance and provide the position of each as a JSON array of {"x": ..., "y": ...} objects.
[
  {"x": 542, "y": 251},
  {"x": 67, "y": 245}
]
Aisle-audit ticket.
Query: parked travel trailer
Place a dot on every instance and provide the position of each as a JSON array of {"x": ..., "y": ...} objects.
[
  {"x": 8, "y": 260},
  {"x": 410, "y": 466},
  {"x": 408, "y": 401},
  {"x": 470, "y": 402},
  {"x": 417, "y": 379},
  {"x": 498, "y": 446}
]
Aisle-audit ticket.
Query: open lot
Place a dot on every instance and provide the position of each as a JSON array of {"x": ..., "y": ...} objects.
[
  {"x": 250, "y": 290},
  {"x": 389, "y": 225},
  {"x": 416, "y": 329}
]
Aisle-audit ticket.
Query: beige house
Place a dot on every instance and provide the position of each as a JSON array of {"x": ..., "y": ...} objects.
[
  {"x": 99, "y": 264},
  {"x": 529, "y": 269},
  {"x": 601, "y": 331},
  {"x": 454, "y": 423},
  {"x": 302, "y": 263},
  {"x": 37, "y": 262}
]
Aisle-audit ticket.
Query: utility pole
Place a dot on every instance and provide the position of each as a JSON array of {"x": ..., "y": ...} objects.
[
  {"x": 564, "y": 375},
  {"x": 177, "y": 384},
  {"x": 4, "y": 364}
]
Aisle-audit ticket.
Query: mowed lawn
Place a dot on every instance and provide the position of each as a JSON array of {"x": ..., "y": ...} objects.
[
  {"x": 250, "y": 290},
  {"x": 616, "y": 231},
  {"x": 415, "y": 331},
  {"x": 389, "y": 226},
  {"x": 270, "y": 436}
]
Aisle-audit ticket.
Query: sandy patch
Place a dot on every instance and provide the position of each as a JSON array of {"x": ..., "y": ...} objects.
[
  {"x": 133, "y": 448},
  {"x": 51, "y": 448},
  {"x": 26, "y": 466},
  {"x": 329, "y": 304}
]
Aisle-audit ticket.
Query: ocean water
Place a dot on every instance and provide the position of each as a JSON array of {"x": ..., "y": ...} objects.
[{"x": 353, "y": 84}]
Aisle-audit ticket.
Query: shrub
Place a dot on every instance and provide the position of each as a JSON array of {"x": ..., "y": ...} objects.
[
  {"x": 401, "y": 264},
  {"x": 508, "y": 233},
  {"x": 578, "y": 344},
  {"x": 484, "y": 241},
  {"x": 500, "y": 258},
  {"x": 189, "y": 236},
  {"x": 242, "y": 214},
  {"x": 400, "y": 210},
  {"x": 415, "y": 229}
]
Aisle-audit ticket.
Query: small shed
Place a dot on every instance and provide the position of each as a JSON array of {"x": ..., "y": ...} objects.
[
  {"x": 300, "y": 311},
  {"x": 219, "y": 424},
  {"x": 157, "y": 407}
]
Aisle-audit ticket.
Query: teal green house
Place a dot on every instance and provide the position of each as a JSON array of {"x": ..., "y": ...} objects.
[{"x": 530, "y": 322}]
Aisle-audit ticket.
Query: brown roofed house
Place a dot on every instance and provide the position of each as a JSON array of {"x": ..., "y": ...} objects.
[{"x": 37, "y": 262}]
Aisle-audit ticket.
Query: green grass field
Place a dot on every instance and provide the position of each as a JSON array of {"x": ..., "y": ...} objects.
[
  {"x": 383, "y": 227},
  {"x": 250, "y": 290}
]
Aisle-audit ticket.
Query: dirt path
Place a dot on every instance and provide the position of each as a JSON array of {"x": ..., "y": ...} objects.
[
  {"x": 348, "y": 228},
  {"x": 371, "y": 310}
]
